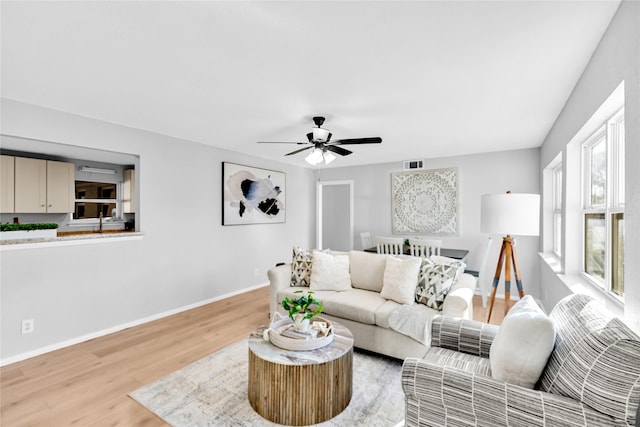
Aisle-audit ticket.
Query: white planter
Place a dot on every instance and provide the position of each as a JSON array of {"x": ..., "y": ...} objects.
[
  {"x": 25, "y": 235},
  {"x": 300, "y": 323}
]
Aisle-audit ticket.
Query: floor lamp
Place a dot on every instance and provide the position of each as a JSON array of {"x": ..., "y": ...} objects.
[{"x": 510, "y": 215}]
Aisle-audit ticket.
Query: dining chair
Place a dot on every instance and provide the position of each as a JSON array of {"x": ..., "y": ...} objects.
[
  {"x": 390, "y": 245},
  {"x": 424, "y": 247},
  {"x": 365, "y": 238}
]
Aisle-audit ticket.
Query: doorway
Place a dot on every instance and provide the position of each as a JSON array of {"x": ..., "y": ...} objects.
[{"x": 334, "y": 210}]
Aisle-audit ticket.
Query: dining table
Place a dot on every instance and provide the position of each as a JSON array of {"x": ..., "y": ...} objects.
[{"x": 460, "y": 254}]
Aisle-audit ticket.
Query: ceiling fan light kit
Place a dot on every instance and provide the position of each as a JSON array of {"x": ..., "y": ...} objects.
[
  {"x": 321, "y": 146},
  {"x": 317, "y": 156}
]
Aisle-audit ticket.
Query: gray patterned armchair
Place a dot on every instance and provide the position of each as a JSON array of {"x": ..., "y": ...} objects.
[{"x": 592, "y": 377}]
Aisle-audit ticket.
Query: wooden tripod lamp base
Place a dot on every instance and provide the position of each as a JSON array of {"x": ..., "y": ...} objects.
[{"x": 508, "y": 256}]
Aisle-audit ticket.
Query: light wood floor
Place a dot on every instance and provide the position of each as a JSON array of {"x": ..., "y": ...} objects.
[{"x": 87, "y": 384}]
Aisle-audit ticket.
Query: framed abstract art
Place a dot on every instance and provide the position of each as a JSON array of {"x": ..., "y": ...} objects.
[
  {"x": 425, "y": 202},
  {"x": 252, "y": 195}
]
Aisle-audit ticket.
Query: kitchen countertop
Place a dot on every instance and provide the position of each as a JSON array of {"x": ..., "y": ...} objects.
[{"x": 71, "y": 238}]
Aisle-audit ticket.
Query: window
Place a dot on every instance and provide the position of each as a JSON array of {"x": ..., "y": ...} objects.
[
  {"x": 603, "y": 206},
  {"x": 94, "y": 199},
  {"x": 556, "y": 190}
]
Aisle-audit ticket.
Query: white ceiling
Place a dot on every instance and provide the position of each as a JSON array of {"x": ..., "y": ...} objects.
[{"x": 431, "y": 78}]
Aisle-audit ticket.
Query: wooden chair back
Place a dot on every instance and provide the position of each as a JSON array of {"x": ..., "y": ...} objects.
[
  {"x": 365, "y": 238},
  {"x": 424, "y": 247},
  {"x": 390, "y": 245}
]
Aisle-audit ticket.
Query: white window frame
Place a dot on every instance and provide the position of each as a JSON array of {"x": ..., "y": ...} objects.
[
  {"x": 612, "y": 132},
  {"x": 91, "y": 221},
  {"x": 557, "y": 209}
]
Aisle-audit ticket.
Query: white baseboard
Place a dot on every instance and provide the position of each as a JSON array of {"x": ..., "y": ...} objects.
[{"x": 98, "y": 334}]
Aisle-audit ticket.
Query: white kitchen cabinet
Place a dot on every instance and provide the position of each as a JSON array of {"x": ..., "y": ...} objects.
[
  {"x": 43, "y": 186},
  {"x": 129, "y": 191},
  {"x": 60, "y": 187},
  {"x": 7, "y": 184},
  {"x": 30, "y": 185}
]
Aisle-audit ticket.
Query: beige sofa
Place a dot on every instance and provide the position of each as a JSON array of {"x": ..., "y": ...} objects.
[{"x": 378, "y": 324}]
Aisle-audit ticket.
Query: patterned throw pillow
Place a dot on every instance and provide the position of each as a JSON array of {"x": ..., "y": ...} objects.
[
  {"x": 301, "y": 267},
  {"x": 434, "y": 283}
]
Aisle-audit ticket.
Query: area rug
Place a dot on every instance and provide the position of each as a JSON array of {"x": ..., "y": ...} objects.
[{"x": 213, "y": 392}]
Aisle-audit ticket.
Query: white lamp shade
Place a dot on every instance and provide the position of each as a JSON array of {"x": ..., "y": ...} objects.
[
  {"x": 510, "y": 214},
  {"x": 328, "y": 157},
  {"x": 314, "y": 157},
  {"x": 320, "y": 134}
]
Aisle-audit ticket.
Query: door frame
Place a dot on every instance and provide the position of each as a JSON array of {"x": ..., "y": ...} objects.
[{"x": 319, "y": 186}]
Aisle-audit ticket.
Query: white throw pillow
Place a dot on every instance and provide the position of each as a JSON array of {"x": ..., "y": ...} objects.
[
  {"x": 400, "y": 279},
  {"x": 330, "y": 272},
  {"x": 523, "y": 344}
]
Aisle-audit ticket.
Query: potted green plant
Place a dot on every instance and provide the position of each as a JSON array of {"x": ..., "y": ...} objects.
[
  {"x": 9, "y": 231},
  {"x": 302, "y": 310}
]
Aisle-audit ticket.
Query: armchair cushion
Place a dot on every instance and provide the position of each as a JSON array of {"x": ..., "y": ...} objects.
[
  {"x": 443, "y": 395},
  {"x": 523, "y": 344},
  {"x": 463, "y": 335},
  {"x": 596, "y": 359}
]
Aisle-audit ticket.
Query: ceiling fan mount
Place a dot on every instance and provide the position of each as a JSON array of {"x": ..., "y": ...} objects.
[
  {"x": 323, "y": 149},
  {"x": 318, "y": 120}
]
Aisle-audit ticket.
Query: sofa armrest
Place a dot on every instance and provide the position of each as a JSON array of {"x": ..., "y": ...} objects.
[
  {"x": 438, "y": 396},
  {"x": 279, "y": 278},
  {"x": 466, "y": 336},
  {"x": 459, "y": 299}
]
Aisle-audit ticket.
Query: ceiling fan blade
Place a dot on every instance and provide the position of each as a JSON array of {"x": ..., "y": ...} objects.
[
  {"x": 338, "y": 150},
  {"x": 280, "y": 142},
  {"x": 299, "y": 151},
  {"x": 371, "y": 140}
]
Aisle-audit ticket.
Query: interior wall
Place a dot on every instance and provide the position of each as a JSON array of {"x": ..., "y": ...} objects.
[
  {"x": 185, "y": 257},
  {"x": 336, "y": 222},
  {"x": 478, "y": 174},
  {"x": 616, "y": 59}
]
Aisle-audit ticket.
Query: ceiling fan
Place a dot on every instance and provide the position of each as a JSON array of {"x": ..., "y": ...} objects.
[{"x": 321, "y": 146}]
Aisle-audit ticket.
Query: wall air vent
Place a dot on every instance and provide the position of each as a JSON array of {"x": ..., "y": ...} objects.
[{"x": 408, "y": 165}]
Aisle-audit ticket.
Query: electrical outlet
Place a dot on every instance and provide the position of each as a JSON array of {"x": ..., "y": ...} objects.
[
  {"x": 256, "y": 272},
  {"x": 28, "y": 325}
]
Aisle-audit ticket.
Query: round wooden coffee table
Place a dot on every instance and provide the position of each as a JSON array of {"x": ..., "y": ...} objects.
[{"x": 300, "y": 387}]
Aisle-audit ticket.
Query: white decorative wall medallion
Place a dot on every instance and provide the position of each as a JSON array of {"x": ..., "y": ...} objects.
[{"x": 425, "y": 202}]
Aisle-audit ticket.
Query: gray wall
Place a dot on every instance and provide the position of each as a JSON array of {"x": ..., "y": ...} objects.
[
  {"x": 335, "y": 217},
  {"x": 616, "y": 59},
  {"x": 185, "y": 257},
  {"x": 479, "y": 174}
]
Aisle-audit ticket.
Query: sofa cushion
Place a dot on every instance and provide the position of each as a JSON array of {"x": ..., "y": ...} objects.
[
  {"x": 400, "y": 279},
  {"x": 384, "y": 312},
  {"x": 330, "y": 272},
  {"x": 290, "y": 292},
  {"x": 434, "y": 283},
  {"x": 367, "y": 270},
  {"x": 523, "y": 344},
  {"x": 357, "y": 305}
]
